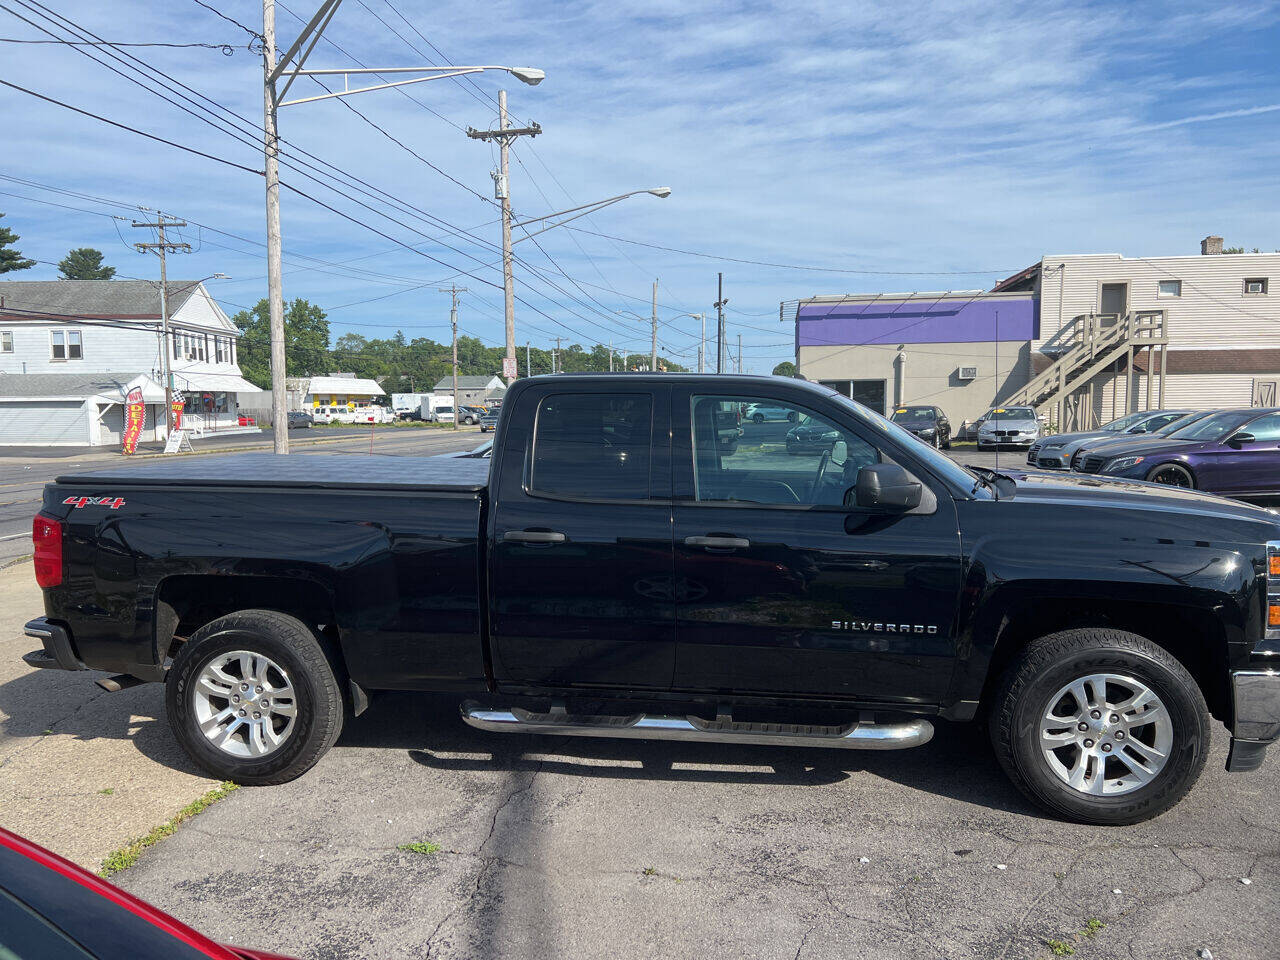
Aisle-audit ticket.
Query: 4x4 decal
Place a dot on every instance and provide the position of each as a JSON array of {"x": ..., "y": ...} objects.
[{"x": 112, "y": 503}]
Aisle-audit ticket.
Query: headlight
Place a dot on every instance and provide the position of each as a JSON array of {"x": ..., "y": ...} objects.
[
  {"x": 1122, "y": 463},
  {"x": 925, "y": 431},
  {"x": 1050, "y": 445}
]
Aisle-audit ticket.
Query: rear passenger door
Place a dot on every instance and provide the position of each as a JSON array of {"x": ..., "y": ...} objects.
[{"x": 581, "y": 563}]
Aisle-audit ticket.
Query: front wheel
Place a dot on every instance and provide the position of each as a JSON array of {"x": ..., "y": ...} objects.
[
  {"x": 252, "y": 698},
  {"x": 1100, "y": 726},
  {"x": 758, "y": 418},
  {"x": 1172, "y": 475}
]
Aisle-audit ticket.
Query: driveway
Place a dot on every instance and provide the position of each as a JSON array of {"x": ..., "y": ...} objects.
[{"x": 568, "y": 848}]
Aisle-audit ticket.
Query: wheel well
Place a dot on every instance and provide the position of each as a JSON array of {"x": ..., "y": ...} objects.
[
  {"x": 186, "y": 603},
  {"x": 1192, "y": 635},
  {"x": 1174, "y": 463}
]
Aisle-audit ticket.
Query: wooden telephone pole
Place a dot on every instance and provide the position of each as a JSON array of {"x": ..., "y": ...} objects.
[
  {"x": 453, "y": 291},
  {"x": 162, "y": 247}
]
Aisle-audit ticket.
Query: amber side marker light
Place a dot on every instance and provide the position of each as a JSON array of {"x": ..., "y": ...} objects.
[
  {"x": 1273, "y": 615},
  {"x": 1273, "y": 565}
]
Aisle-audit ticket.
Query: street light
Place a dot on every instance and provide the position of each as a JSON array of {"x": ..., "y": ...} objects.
[
  {"x": 288, "y": 68},
  {"x": 586, "y": 210}
]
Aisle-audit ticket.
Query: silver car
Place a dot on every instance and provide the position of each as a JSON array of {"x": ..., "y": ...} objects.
[
  {"x": 1054, "y": 452},
  {"x": 1008, "y": 427}
]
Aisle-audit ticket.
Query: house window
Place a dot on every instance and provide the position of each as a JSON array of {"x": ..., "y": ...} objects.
[
  {"x": 65, "y": 345},
  {"x": 1169, "y": 288},
  {"x": 1255, "y": 286},
  {"x": 177, "y": 346},
  {"x": 6, "y": 341}
]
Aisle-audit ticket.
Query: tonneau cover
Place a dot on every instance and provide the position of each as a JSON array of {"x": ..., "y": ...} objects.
[{"x": 346, "y": 471}]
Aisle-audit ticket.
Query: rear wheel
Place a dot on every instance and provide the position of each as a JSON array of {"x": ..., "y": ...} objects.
[
  {"x": 758, "y": 418},
  {"x": 253, "y": 698},
  {"x": 1100, "y": 726},
  {"x": 1173, "y": 475}
]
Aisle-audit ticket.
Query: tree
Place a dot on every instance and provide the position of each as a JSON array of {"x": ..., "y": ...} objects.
[
  {"x": 11, "y": 260},
  {"x": 84, "y": 263},
  {"x": 785, "y": 369},
  {"x": 306, "y": 341}
]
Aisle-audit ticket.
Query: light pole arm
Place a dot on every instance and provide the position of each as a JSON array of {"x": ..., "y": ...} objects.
[{"x": 586, "y": 210}]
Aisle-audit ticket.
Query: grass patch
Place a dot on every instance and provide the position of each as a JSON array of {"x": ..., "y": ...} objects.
[
  {"x": 1060, "y": 948},
  {"x": 423, "y": 847},
  {"x": 650, "y": 871},
  {"x": 1092, "y": 926},
  {"x": 128, "y": 855},
  {"x": 107, "y": 791}
]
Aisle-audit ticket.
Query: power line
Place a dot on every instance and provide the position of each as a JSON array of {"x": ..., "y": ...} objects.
[
  {"x": 254, "y": 34},
  {"x": 134, "y": 130},
  {"x": 226, "y": 48},
  {"x": 790, "y": 266}
]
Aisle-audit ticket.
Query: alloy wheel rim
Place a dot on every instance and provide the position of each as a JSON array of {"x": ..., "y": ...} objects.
[
  {"x": 1106, "y": 734},
  {"x": 244, "y": 704},
  {"x": 1171, "y": 477}
]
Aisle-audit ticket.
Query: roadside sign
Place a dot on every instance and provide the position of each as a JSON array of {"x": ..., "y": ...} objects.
[
  {"x": 135, "y": 415},
  {"x": 178, "y": 441},
  {"x": 509, "y": 368}
]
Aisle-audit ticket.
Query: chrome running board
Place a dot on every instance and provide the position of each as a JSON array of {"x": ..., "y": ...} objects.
[{"x": 861, "y": 735}]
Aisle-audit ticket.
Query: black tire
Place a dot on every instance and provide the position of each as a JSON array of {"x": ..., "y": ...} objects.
[
  {"x": 946, "y": 444},
  {"x": 1052, "y": 662},
  {"x": 757, "y": 418},
  {"x": 318, "y": 696},
  {"x": 1173, "y": 475}
]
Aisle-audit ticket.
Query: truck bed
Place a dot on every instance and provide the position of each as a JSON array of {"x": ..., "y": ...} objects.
[{"x": 343, "y": 471}]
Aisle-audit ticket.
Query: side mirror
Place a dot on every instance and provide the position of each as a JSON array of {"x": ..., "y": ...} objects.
[
  {"x": 1240, "y": 439},
  {"x": 888, "y": 487}
]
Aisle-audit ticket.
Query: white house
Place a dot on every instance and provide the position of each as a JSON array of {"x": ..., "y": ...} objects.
[{"x": 70, "y": 350}]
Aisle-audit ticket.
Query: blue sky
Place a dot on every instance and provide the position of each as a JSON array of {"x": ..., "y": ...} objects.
[{"x": 922, "y": 146}]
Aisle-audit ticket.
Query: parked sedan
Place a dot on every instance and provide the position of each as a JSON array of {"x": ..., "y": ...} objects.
[
  {"x": 1054, "y": 452},
  {"x": 1129, "y": 443},
  {"x": 760, "y": 412},
  {"x": 51, "y": 909},
  {"x": 300, "y": 419},
  {"x": 811, "y": 437},
  {"x": 1235, "y": 453},
  {"x": 1008, "y": 426},
  {"x": 930, "y": 424},
  {"x": 488, "y": 422}
]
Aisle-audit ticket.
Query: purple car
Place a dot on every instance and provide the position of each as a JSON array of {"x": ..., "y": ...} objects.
[{"x": 1235, "y": 453}]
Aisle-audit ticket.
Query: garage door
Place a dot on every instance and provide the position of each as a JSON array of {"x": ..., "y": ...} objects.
[{"x": 44, "y": 422}]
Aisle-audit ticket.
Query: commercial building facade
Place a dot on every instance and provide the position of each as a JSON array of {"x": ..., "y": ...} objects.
[{"x": 1083, "y": 338}]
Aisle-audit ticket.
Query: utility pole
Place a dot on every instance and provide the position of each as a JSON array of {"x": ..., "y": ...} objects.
[
  {"x": 275, "y": 273},
  {"x": 739, "y": 353},
  {"x": 611, "y": 355},
  {"x": 453, "y": 291},
  {"x": 719, "y": 305},
  {"x": 506, "y": 135},
  {"x": 555, "y": 357},
  {"x": 702, "y": 342},
  {"x": 528, "y": 364},
  {"x": 161, "y": 248},
  {"x": 653, "y": 350}
]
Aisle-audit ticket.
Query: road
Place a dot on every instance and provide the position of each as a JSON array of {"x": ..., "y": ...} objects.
[{"x": 23, "y": 473}]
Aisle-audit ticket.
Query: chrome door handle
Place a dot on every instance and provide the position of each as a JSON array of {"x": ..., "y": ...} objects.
[
  {"x": 718, "y": 543},
  {"x": 533, "y": 536}
]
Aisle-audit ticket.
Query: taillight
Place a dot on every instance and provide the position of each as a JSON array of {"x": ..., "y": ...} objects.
[{"x": 46, "y": 535}]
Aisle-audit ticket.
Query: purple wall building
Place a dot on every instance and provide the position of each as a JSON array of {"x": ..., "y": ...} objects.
[{"x": 918, "y": 319}]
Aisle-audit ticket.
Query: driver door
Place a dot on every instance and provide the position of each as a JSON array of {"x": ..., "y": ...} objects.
[{"x": 782, "y": 588}]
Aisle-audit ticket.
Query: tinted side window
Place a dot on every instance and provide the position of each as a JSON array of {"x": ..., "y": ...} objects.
[
  {"x": 766, "y": 452},
  {"x": 1264, "y": 428},
  {"x": 593, "y": 446}
]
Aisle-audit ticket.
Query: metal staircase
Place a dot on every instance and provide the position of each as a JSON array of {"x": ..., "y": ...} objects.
[{"x": 1082, "y": 349}]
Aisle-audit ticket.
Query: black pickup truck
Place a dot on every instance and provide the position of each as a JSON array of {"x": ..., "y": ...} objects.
[{"x": 638, "y": 558}]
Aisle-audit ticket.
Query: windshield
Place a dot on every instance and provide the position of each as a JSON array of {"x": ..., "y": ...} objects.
[
  {"x": 1210, "y": 428},
  {"x": 937, "y": 461},
  {"x": 1010, "y": 413},
  {"x": 1116, "y": 426},
  {"x": 903, "y": 414},
  {"x": 1186, "y": 421}
]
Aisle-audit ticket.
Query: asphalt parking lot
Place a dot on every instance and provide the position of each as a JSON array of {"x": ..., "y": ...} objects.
[
  {"x": 576, "y": 848},
  {"x": 572, "y": 848}
]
